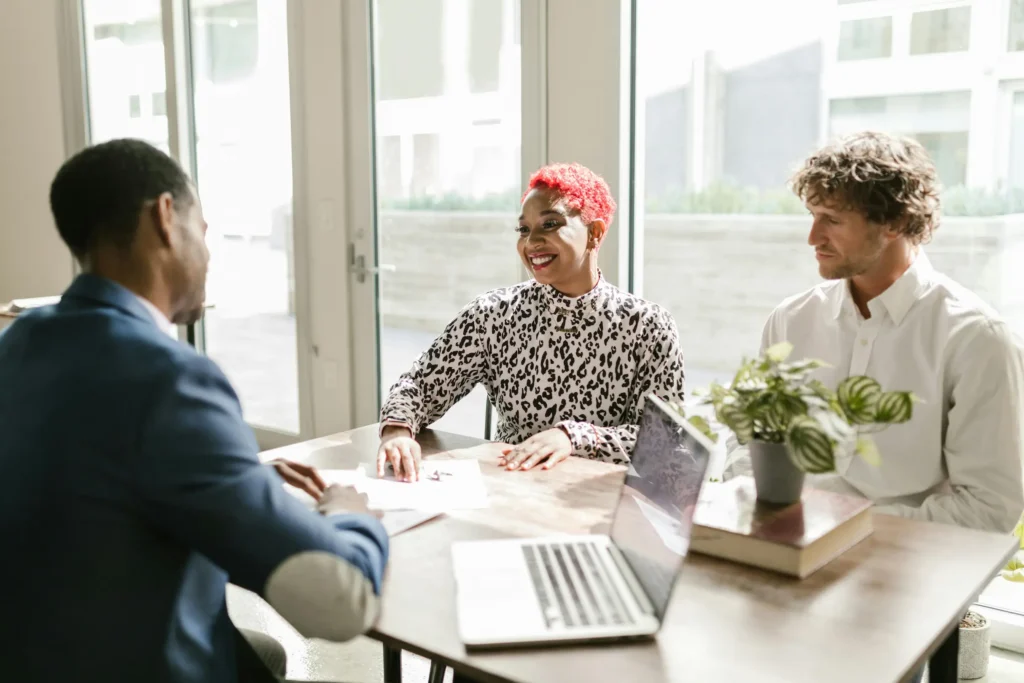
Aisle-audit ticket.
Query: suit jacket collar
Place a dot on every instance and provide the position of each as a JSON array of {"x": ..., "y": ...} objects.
[{"x": 103, "y": 292}]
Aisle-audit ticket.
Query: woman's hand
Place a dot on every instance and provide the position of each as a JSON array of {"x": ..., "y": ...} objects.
[
  {"x": 549, "y": 447},
  {"x": 398, "y": 447}
]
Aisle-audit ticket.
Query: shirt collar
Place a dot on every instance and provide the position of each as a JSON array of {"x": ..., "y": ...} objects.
[
  {"x": 158, "y": 316},
  {"x": 897, "y": 300},
  {"x": 570, "y": 304}
]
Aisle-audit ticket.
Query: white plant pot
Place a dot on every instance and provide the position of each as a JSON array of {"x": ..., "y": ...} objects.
[{"x": 975, "y": 644}]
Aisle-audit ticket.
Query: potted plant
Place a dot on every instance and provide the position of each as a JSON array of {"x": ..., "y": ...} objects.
[
  {"x": 975, "y": 645},
  {"x": 794, "y": 424}
]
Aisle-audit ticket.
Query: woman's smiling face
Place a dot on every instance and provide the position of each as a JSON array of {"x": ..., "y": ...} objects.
[{"x": 554, "y": 243}]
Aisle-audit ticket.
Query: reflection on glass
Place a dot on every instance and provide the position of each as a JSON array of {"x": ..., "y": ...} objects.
[
  {"x": 243, "y": 155},
  {"x": 125, "y": 70},
  {"x": 730, "y": 109},
  {"x": 654, "y": 515},
  {"x": 448, "y": 171},
  {"x": 941, "y": 30},
  {"x": 865, "y": 38}
]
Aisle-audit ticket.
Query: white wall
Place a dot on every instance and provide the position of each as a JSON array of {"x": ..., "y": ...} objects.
[{"x": 33, "y": 260}]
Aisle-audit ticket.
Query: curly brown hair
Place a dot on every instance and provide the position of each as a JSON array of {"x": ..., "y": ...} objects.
[{"x": 890, "y": 180}]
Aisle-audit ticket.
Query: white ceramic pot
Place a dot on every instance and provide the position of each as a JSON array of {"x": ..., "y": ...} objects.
[{"x": 975, "y": 644}]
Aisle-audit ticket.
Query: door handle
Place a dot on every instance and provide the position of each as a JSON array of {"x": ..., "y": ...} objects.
[{"x": 358, "y": 267}]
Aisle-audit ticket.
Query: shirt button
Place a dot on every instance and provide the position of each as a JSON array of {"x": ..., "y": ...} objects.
[{"x": 863, "y": 342}]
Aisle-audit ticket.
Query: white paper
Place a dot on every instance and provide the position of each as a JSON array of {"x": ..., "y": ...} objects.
[
  {"x": 397, "y": 521},
  {"x": 394, "y": 521},
  {"x": 342, "y": 477},
  {"x": 459, "y": 486}
]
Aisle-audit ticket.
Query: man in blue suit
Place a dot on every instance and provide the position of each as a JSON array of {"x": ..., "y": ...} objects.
[{"x": 132, "y": 492}]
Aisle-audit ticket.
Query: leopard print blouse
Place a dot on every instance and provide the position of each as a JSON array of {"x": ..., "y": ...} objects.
[{"x": 583, "y": 364}]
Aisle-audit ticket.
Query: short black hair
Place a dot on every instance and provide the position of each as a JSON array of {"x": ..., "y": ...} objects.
[{"x": 97, "y": 195}]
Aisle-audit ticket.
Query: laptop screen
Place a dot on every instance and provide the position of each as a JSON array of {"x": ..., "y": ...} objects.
[{"x": 654, "y": 515}]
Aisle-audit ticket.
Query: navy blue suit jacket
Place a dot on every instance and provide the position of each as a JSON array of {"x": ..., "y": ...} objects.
[{"x": 131, "y": 494}]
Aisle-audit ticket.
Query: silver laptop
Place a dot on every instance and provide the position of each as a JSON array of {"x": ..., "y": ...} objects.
[{"x": 560, "y": 589}]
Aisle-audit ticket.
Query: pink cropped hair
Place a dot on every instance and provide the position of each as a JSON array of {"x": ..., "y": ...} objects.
[{"x": 582, "y": 189}]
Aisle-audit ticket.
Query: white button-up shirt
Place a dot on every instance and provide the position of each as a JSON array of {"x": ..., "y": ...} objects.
[{"x": 959, "y": 459}]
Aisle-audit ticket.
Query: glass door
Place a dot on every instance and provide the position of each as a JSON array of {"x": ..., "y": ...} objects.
[
  {"x": 243, "y": 153},
  {"x": 448, "y": 173},
  {"x": 208, "y": 81}
]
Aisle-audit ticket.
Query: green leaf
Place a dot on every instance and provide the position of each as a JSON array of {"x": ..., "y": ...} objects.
[
  {"x": 818, "y": 388},
  {"x": 810, "y": 447},
  {"x": 868, "y": 451},
  {"x": 797, "y": 373},
  {"x": 777, "y": 353},
  {"x": 738, "y": 421},
  {"x": 702, "y": 425},
  {"x": 1014, "y": 570},
  {"x": 858, "y": 395},
  {"x": 894, "y": 407},
  {"x": 750, "y": 385}
]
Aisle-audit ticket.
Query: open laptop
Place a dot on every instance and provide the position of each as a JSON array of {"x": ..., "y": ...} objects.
[{"x": 562, "y": 589}]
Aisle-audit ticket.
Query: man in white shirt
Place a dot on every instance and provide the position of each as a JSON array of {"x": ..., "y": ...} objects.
[{"x": 885, "y": 312}]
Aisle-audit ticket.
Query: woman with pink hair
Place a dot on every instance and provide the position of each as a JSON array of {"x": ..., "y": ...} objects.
[{"x": 567, "y": 358}]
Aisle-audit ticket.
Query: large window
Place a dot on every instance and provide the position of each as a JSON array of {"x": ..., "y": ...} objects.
[
  {"x": 125, "y": 69},
  {"x": 238, "y": 99},
  {"x": 448, "y": 172},
  {"x": 244, "y": 170},
  {"x": 941, "y": 30},
  {"x": 729, "y": 109},
  {"x": 865, "y": 38}
]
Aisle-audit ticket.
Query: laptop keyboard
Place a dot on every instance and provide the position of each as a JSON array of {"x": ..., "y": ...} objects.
[{"x": 573, "y": 587}]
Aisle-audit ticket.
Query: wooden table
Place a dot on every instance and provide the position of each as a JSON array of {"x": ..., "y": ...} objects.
[{"x": 875, "y": 614}]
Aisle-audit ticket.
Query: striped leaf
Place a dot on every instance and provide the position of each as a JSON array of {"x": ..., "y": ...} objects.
[
  {"x": 894, "y": 407},
  {"x": 810, "y": 447},
  {"x": 741, "y": 424},
  {"x": 838, "y": 429},
  {"x": 858, "y": 395}
]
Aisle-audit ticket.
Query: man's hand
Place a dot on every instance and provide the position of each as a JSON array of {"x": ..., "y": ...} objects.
[
  {"x": 549, "y": 447},
  {"x": 301, "y": 476},
  {"x": 345, "y": 499},
  {"x": 398, "y": 447}
]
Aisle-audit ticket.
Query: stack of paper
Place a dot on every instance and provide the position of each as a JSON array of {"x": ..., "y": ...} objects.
[
  {"x": 22, "y": 305},
  {"x": 444, "y": 485}
]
